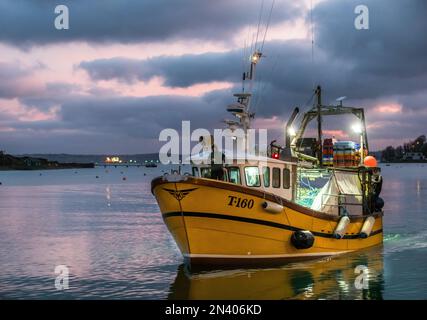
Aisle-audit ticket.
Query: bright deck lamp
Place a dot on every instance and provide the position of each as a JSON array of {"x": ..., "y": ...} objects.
[
  {"x": 357, "y": 128},
  {"x": 256, "y": 57},
  {"x": 292, "y": 132}
]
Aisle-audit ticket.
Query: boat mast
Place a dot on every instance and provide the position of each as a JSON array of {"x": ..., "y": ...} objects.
[
  {"x": 241, "y": 109},
  {"x": 318, "y": 93},
  {"x": 256, "y": 56}
]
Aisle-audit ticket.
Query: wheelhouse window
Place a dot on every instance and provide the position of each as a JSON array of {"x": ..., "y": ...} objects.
[
  {"x": 206, "y": 172},
  {"x": 195, "y": 171},
  {"x": 276, "y": 178},
  {"x": 266, "y": 176},
  {"x": 286, "y": 178},
  {"x": 252, "y": 177},
  {"x": 234, "y": 175}
]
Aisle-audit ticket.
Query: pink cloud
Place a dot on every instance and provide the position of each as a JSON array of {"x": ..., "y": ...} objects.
[
  {"x": 16, "y": 110},
  {"x": 388, "y": 108},
  {"x": 156, "y": 87},
  {"x": 61, "y": 60},
  {"x": 339, "y": 134},
  {"x": 273, "y": 123}
]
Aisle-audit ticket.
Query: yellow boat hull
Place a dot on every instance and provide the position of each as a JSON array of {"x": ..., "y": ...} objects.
[{"x": 208, "y": 227}]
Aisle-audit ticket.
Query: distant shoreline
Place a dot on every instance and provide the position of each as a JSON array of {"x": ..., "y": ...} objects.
[
  {"x": 9, "y": 162},
  {"x": 59, "y": 166},
  {"x": 404, "y": 162},
  {"x": 93, "y": 158}
]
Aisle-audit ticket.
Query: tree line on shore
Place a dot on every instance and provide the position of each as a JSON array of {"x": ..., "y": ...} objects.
[{"x": 419, "y": 145}]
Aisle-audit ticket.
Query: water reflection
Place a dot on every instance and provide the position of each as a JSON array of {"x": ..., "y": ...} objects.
[{"x": 333, "y": 278}]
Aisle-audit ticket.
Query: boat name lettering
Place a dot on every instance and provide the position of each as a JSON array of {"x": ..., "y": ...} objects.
[{"x": 240, "y": 202}]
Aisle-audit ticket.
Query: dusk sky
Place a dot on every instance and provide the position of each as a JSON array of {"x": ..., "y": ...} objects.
[{"x": 125, "y": 70}]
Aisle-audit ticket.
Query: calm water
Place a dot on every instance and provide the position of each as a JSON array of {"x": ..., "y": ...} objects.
[{"x": 109, "y": 232}]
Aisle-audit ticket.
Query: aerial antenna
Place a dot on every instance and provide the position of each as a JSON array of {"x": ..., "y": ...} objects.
[
  {"x": 244, "y": 66},
  {"x": 260, "y": 50},
  {"x": 259, "y": 23},
  {"x": 241, "y": 109},
  {"x": 319, "y": 125},
  {"x": 268, "y": 24},
  {"x": 312, "y": 43}
]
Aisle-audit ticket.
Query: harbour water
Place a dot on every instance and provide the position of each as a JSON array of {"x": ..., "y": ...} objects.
[{"x": 105, "y": 226}]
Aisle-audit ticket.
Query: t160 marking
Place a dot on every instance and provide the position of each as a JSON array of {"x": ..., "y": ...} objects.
[{"x": 240, "y": 202}]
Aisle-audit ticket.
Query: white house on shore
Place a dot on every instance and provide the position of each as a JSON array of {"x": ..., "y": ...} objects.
[{"x": 417, "y": 156}]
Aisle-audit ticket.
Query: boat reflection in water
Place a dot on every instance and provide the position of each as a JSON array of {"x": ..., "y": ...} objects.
[{"x": 330, "y": 278}]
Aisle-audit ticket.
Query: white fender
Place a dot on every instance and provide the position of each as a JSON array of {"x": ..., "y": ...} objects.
[
  {"x": 367, "y": 227},
  {"x": 272, "y": 207},
  {"x": 341, "y": 227}
]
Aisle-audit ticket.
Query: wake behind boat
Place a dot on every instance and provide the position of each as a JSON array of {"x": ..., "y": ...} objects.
[{"x": 308, "y": 199}]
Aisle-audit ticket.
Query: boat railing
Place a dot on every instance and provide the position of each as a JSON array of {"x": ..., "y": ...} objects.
[{"x": 342, "y": 203}]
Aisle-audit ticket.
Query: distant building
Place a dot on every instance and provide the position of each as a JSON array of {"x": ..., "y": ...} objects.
[
  {"x": 36, "y": 162},
  {"x": 417, "y": 156},
  {"x": 113, "y": 160}
]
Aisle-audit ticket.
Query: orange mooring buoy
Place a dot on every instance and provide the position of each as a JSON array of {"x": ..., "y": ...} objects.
[{"x": 370, "y": 161}]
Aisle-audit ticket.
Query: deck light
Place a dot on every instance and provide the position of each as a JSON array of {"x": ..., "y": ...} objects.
[
  {"x": 357, "y": 128},
  {"x": 255, "y": 57},
  {"x": 292, "y": 132}
]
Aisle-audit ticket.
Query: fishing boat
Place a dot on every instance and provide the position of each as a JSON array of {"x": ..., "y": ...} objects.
[{"x": 311, "y": 198}]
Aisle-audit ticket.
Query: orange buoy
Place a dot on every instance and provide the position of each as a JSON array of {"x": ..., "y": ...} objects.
[{"x": 370, "y": 161}]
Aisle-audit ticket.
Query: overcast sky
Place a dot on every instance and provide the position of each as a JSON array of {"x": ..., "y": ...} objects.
[{"x": 127, "y": 69}]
